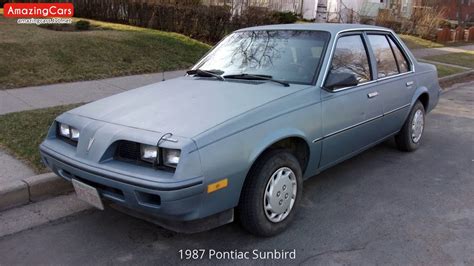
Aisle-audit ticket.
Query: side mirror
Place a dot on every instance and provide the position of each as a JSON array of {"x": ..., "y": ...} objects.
[{"x": 339, "y": 80}]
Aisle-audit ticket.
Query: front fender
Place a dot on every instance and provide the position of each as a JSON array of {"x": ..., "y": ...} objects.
[{"x": 272, "y": 138}]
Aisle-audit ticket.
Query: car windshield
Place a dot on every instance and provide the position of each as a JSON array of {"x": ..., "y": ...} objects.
[{"x": 286, "y": 55}]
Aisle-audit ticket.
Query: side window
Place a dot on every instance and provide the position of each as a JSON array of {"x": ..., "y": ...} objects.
[
  {"x": 401, "y": 59},
  {"x": 386, "y": 63},
  {"x": 351, "y": 56}
]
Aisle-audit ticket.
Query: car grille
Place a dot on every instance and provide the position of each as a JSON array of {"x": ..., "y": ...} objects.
[{"x": 128, "y": 150}]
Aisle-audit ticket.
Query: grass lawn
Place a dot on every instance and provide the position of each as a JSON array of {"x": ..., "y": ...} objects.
[
  {"x": 22, "y": 132},
  {"x": 32, "y": 55},
  {"x": 444, "y": 71},
  {"x": 414, "y": 42},
  {"x": 465, "y": 59}
]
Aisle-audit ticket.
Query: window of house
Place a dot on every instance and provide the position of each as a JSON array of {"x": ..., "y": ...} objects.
[
  {"x": 386, "y": 63},
  {"x": 351, "y": 56}
]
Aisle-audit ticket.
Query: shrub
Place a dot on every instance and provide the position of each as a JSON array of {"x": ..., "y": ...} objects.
[
  {"x": 367, "y": 20},
  {"x": 426, "y": 21},
  {"x": 285, "y": 17},
  {"x": 208, "y": 23},
  {"x": 83, "y": 25},
  {"x": 391, "y": 24},
  {"x": 386, "y": 19},
  {"x": 445, "y": 23}
]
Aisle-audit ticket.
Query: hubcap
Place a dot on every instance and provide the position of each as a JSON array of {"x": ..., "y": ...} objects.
[
  {"x": 417, "y": 126},
  {"x": 280, "y": 194}
]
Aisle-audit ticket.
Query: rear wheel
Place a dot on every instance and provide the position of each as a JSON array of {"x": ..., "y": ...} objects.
[
  {"x": 271, "y": 193},
  {"x": 409, "y": 138}
]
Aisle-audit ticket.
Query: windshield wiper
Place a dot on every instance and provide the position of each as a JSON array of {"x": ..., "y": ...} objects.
[
  {"x": 206, "y": 73},
  {"x": 258, "y": 77}
]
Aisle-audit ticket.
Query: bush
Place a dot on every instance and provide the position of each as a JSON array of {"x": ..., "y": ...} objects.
[
  {"x": 426, "y": 21},
  {"x": 285, "y": 17},
  {"x": 189, "y": 17},
  {"x": 367, "y": 20},
  {"x": 445, "y": 23},
  {"x": 83, "y": 25},
  {"x": 391, "y": 24},
  {"x": 386, "y": 19}
]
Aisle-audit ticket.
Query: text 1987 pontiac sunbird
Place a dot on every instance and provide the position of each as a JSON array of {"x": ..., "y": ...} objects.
[{"x": 267, "y": 108}]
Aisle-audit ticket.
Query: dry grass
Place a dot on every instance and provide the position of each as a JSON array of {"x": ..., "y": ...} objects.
[
  {"x": 22, "y": 132},
  {"x": 414, "y": 42},
  {"x": 32, "y": 55},
  {"x": 465, "y": 59},
  {"x": 444, "y": 70}
]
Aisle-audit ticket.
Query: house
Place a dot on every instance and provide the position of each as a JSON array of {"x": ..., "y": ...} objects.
[
  {"x": 348, "y": 11},
  {"x": 461, "y": 11}
]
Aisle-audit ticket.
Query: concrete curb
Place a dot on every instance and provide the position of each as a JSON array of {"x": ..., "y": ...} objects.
[
  {"x": 32, "y": 189},
  {"x": 455, "y": 76}
]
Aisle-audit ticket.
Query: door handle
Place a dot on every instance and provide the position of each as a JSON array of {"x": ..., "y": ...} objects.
[
  {"x": 409, "y": 83},
  {"x": 373, "y": 94}
]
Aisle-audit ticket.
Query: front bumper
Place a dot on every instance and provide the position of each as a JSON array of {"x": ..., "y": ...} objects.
[{"x": 169, "y": 206}]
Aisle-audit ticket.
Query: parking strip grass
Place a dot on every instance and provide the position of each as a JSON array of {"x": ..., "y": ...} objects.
[
  {"x": 22, "y": 132},
  {"x": 444, "y": 70},
  {"x": 465, "y": 59},
  {"x": 33, "y": 55}
]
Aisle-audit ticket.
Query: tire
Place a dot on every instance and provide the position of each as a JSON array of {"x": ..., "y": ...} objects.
[
  {"x": 255, "y": 194},
  {"x": 408, "y": 138}
]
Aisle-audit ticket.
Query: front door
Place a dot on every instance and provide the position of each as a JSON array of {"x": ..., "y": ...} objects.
[{"x": 351, "y": 116}]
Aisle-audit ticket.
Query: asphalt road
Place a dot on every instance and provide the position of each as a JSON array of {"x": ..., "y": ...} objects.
[{"x": 383, "y": 206}]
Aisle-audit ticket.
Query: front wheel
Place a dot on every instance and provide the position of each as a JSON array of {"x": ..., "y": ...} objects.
[
  {"x": 271, "y": 193},
  {"x": 409, "y": 138}
]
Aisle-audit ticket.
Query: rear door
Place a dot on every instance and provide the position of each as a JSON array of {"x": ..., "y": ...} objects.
[
  {"x": 395, "y": 79},
  {"x": 351, "y": 116}
]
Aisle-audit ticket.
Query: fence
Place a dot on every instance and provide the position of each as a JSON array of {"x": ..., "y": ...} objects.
[{"x": 458, "y": 35}]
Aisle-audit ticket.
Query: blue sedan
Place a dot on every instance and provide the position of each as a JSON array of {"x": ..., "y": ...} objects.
[{"x": 265, "y": 109}]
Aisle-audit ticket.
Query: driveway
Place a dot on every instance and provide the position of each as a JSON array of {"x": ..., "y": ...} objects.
[{"x": 383, "y": 206}]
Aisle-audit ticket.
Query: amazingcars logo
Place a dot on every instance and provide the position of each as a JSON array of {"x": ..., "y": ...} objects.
[{"x": 38, "y": 10}]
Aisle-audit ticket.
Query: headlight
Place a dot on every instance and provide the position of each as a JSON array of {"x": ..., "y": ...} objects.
[
  {"x": 74, "y": 134},
  {"x": 64, "y": 130},
  {"x": 148, "y": 153},
  {"x": 68, "y": 132},
  {"x": 171, "y": 157}
]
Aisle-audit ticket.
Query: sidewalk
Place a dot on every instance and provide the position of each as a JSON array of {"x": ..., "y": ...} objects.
[
  {"x": 11, "y": 169},
  {"x": 425, "y": 52},
  {"x": 30, "y": 98}
]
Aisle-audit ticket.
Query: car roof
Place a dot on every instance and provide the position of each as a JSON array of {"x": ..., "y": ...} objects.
[{"x": 329, "y": 27}]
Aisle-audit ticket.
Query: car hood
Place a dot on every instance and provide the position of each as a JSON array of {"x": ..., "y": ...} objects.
[{"x": 184, "y": 106}]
